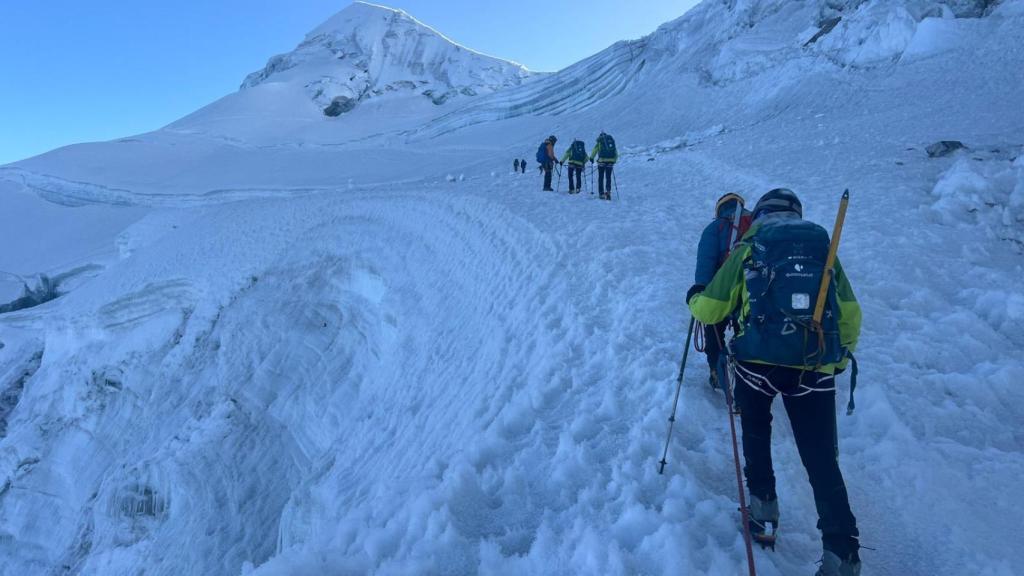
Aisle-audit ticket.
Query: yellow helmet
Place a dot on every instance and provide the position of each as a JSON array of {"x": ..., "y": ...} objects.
[{"x": 726, "y": 198}]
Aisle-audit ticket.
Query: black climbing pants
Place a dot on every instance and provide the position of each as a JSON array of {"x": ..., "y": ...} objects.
[
  {"x": 714, "y": 337},
  {"x": 575, "y": 177},
  {"x": 604, "y": 179},
  {"x": 547, "y": 166},
  {"x": 812, "y": 415}
]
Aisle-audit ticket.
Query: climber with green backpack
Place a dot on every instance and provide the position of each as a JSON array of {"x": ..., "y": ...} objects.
[
  {"x": 606, "y": 154},
  {"x": 576, "y": 155},
  {"x": 798, "y": 324}
]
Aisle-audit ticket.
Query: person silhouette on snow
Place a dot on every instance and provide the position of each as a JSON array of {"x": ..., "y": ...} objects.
[
  {"x": 547, "y": 159},
  {"x": 807, "y": 388},
  {"x": 576, "y": 155},
  {"x": 606, "y": 154},
  {"x": 715, "y": 245},
  {"x": 522, "y": 165},
  {"x": 515, "y": 165}
]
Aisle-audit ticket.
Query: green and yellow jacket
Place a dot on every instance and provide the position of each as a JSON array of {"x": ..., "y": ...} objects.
[
  {"x": 727, "y": 294},
  {"x": 596, "y": 153},
  {"x": 568, "y": 157}
]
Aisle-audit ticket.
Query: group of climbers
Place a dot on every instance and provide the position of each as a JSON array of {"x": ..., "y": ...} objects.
[
  {"x": 519, "y": 165},
  {"x": 759, "y": 275},
  {"x": 778, "y": 317},
  {"x": 605, "y": 154}
]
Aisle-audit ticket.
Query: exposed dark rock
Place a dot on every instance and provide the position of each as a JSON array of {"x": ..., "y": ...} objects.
[
  {"x": 944, "y": 148},
  {"x": 339, "y": 105},
  {"x": 45, "y": 291},
  {"x": 825, "y": 27},
  {"x": 436, "y": 98}
]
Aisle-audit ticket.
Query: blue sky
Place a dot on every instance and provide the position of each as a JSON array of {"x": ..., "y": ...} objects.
[{"x": 76, "y": 71}]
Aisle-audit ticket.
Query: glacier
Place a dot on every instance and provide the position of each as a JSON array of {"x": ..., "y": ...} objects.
[{"x": 288, "y": 343}]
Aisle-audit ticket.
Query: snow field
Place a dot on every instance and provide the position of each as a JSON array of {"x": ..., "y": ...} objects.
[
  {"x": 311, "y": 352},
  {"x": 986, "y": 195},
  {"x": 491, "y": 388}
]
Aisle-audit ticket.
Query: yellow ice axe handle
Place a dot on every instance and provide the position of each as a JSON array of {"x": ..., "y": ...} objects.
[{"x": 837, "y": 232}]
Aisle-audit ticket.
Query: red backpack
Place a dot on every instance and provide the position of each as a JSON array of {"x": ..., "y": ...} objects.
[{"x": 727, "y": 224}]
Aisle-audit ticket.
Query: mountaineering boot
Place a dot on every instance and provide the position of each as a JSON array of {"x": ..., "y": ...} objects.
[
  {"x": 833, "y": 565},
  {"x": 764, "y": 521},
  {"x": 713, "y": 380}
]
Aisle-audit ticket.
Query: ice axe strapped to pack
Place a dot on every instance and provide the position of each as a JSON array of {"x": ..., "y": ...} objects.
[{"x": 828, "y": 276}]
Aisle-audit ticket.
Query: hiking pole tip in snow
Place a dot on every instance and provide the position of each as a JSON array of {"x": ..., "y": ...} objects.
[{"x": 675, "y": 403}]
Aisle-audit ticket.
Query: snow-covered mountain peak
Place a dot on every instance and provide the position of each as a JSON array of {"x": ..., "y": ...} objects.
[
  {"x": 360, "y": 15},
  {"x": 366, "y": 51}
]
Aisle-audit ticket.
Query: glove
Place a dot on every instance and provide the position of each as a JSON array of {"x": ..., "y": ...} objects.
[
  {"x": 591, "y": 160},
  {"x": 561, "y": 163},
  {"x": 693, "y": 291}
]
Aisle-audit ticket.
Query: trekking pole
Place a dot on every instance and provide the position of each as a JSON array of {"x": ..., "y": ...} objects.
[
  {"x": 558, "y": 186},
  {"x": 591, "y": 178},
  {"x": 745, "y": 512},
  {"x": 615, "y": 181},
  {"x": 675, "y": 403}
]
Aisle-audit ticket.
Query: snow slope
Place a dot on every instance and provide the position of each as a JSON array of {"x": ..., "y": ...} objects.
[{"x": 343, "y": 363}]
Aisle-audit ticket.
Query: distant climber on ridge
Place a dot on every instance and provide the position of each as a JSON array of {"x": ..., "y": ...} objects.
[
  {"x": 522, "y": 165},
  {"x": 547, "y": 159},
  {"x": 515, "y": 165},
  {"x": 576, "y": 154},
  {"x": 606, "y": 154},
  {"x": 716, "y": 242},
  {"x": 771, "y": 281}
]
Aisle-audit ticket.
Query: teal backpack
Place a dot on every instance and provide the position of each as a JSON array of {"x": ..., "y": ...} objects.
[
  {"x": 607, "y": 152},
  {"x": 783, "y": 277},
  {"x": 578, "y": 152}
]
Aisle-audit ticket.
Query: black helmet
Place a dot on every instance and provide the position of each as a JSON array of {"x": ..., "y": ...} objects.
[
  {"x": 552, "y": 139},
  {"x": 778, "y": 200}
]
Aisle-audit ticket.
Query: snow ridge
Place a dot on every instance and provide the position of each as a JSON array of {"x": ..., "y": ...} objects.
[{"x": 769, "y": 42}]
